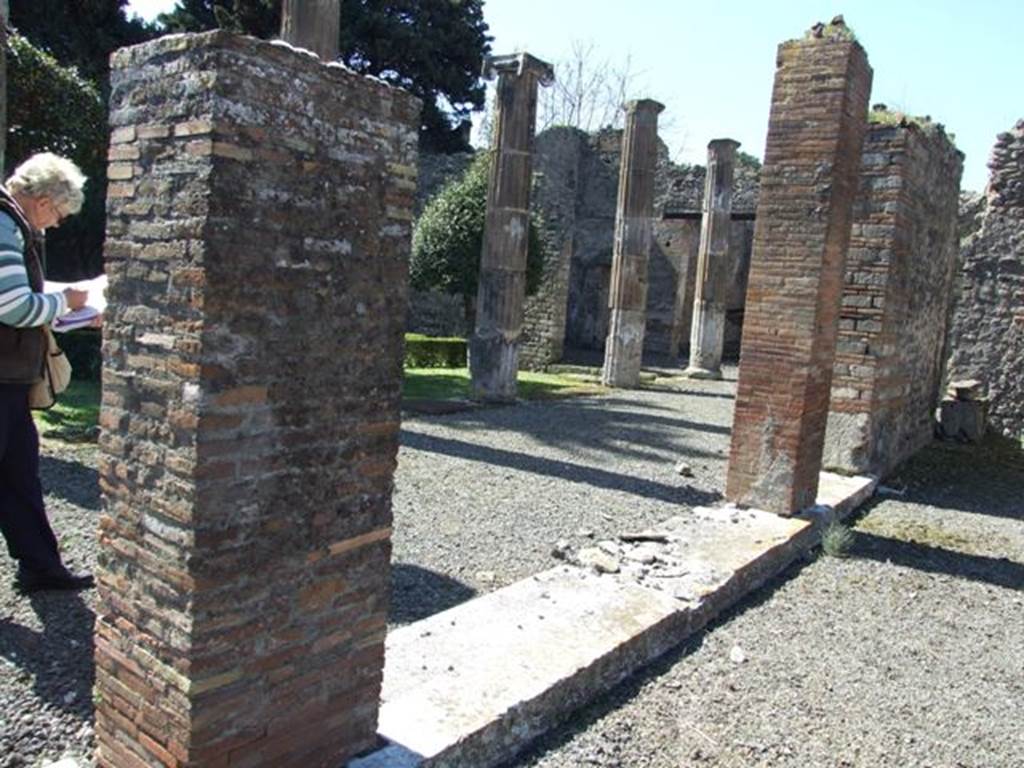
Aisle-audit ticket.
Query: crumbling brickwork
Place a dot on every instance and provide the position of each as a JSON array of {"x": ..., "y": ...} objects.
[
  {"x": 987, "y": 333},
  {"x": 808, "y": 186},
  {"x": 895, "y": 308},
  {"x": 258, "y": 234},
  {"x": 555, "y": 184}
]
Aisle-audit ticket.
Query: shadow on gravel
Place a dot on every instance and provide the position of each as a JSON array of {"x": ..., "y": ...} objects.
[
  {"x": 599, "y": 426},
  {"x": 417, "y": 593},
  {"x": 671, "y": 390},
  {"x": 60, "y": 658},
  {"x": 70, "y": 480},
  {"x": 576, "y": 473},
  {"x": 982, "y": 479},
  {"x": 626, "y": 690},
  {"x": 998, "y": 571}
]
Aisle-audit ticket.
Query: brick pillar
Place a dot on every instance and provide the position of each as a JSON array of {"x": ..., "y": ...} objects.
[
  {"x": 808, "y": 185},
  {"x": 259, "y": 220},
  {"x": 313, "y": 25},
  {"x": 707, "y": 331},
  {"x": 627, "y": 295},
  {"x": 494, "y": 347}
]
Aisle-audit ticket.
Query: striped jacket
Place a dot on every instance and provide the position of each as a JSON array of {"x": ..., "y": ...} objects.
[
  {"x": 24, "y": 309},
  {"x": 20, "y": 306}
]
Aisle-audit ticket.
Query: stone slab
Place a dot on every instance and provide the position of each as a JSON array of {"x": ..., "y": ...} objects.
[{"x": 473, "y": 685}]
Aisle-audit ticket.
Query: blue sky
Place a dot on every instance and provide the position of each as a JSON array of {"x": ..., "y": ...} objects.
[{"x": 711, "y": 62}]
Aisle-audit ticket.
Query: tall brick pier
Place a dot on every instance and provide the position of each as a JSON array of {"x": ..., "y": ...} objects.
[
  {"x": 258, "y": 234},
  {"x": 494, "y": 347},
  {"x": 808, "y": 186}
]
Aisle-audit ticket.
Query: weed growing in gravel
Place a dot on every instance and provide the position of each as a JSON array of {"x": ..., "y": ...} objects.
[{"x": 837, "y": 539}]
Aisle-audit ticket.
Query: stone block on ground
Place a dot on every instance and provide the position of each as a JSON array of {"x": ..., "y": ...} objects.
[{"x": 473, "y": 685}]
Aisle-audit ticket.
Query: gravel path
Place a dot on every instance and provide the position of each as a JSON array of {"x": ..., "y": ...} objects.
[{"x": 906, "y": 653}]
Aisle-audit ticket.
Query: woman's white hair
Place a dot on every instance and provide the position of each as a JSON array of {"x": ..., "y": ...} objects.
[{"x": 49, "y": 175}]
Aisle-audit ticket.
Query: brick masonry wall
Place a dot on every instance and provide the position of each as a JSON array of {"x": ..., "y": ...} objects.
[
  {"x": 808, "y": 186},
  {"x": 258, "y": 234},
  {"x": 986, "y": 339},
  {"x": 895, "y": 307},
  {"x": 556, "y": 174}
]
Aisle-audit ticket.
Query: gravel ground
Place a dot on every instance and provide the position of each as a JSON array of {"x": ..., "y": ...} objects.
[{"x": 906, "y": 653}]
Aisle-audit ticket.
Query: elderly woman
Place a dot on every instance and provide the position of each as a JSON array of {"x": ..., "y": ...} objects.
[{"x": 43, "y": 191}]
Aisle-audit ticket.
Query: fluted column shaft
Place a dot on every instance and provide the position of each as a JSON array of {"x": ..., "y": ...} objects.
[
  {"x": 707, "y": 332},
  {"x": 627, "y": 297},
  {"x": 313, "y": 25},
  {"x": 494, "y": 347}
]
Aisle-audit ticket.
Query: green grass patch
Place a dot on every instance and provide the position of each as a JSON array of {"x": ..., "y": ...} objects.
[
  {"x": 75, "y": 415},
  {"x": 837, "y": 539},
  {"x": 453, "y": 384}
]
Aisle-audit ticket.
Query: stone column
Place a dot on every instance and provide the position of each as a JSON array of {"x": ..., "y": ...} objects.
[
  {"x": 494, "y": 347},
  {"x": 627, "y": 294},
  {"x": 257, "y": 256},
  {"x": 313, "y": 25},
  {"x": 808, "y": 186},
  {"x": 707, "y": 331}
]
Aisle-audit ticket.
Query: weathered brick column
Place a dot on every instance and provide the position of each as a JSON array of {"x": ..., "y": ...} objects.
[
  {"x": 494, "y": 346},
  {"x": 312, "y": 24},
  {"x": 808, "y": 185},
  {"x": 707, "y": 332},
  {"x": 627, "y": 294},
  {"x": 257, "y": 242},
  {"x": 896, "y": 300}
]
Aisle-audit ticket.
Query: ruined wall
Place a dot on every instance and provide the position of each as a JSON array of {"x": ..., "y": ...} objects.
[
  {"x": 257, "y": 246},
  {"x": 435, "y": 170},
  {"x": 679, "y": 189},
  {"x": 556, "y": 179},
  {"x": 434, "y": 313},
  {"x": 896, "y": 299},
  {"x": 986, "y": 338}
]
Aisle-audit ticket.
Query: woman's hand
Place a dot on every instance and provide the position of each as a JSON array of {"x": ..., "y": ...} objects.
[{"x": 75, "y": 298}]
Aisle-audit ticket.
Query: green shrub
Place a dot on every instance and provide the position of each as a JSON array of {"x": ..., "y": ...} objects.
[
  {"x": 449, "y": 236},
  {"x": 434, "y": 352}
]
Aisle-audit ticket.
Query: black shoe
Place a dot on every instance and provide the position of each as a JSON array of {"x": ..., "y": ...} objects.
[{"x": 30, "y": 581}]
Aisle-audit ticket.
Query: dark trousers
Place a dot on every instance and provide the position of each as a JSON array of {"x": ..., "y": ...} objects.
[{"x": 30, "y": 539}]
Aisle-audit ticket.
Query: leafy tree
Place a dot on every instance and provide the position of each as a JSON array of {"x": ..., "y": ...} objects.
[
  {"x": 53, "y": 108},
  {"x": 79, "y": 33},
  {"x": 433, "y": 48},
  {"x": 449, "y": 235}
]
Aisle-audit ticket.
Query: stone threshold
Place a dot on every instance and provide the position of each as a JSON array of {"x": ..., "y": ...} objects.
[{"x": 474, "y": 685}]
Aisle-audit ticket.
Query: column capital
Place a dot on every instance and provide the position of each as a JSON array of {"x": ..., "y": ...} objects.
[
  {"x": 719, "y": 146},
  {"x": 518, "y": 64},
  {"x": 643, "y": 105}
]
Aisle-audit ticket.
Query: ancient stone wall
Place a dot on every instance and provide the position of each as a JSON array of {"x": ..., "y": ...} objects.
[
  {"x": 436, "y": 169},
  {"x": 986, "y": 337},
  {"x": 557, "y": 153},
  {"x": 258, "y": 234},
  {"x": 434, "y": 313},
  {"x": 895, "y": 307}
]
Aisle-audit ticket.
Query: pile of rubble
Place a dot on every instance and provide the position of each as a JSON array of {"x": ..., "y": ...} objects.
[{"x": 963, "y": 413}]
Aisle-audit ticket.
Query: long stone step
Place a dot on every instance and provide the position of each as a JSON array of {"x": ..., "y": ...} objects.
[{"x": 473, "y": 685}]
